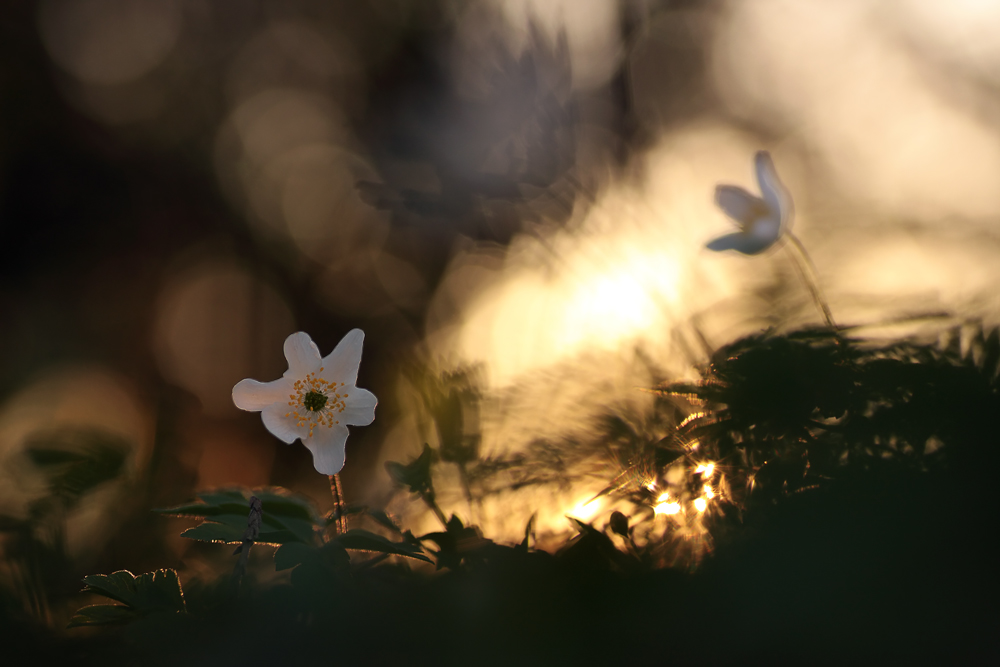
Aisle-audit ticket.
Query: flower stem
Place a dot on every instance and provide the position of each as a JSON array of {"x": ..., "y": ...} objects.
[
  {"x": 807, "y": 270},
  {"x": 339, "y": 511},
  {"x": 428, "y": 498}
]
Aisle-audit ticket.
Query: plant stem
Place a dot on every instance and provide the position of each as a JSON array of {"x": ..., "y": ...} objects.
[
  {"x": 428, "y": 498},
  {"x": 807, "y": 270},
  {"x": 339, "y": 511},
  {"x": 249, "y": 535}
]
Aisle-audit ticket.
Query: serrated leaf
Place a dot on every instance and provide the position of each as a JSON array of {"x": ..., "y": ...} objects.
[
  {"x": 383, "y": 519},
  {"x": 102, "y": 614},
  {"x": 363, "y": 540},
  {"x": 214, "y": 532},
  {"x": 286, "y": 517},
  {"x": 287, "y": 508},
  {"x": 157, "y": 591},
  {"x": 118, "y": 585},
  {"x": 203, "y": 510}
]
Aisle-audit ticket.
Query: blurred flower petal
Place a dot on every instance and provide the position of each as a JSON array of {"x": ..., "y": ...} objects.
[
  {"x": 762, "y": 221},
  {"x": 739, "y": 204},
  {"x": 737, "y": 241},
  {"x": 772, "y": 189}
]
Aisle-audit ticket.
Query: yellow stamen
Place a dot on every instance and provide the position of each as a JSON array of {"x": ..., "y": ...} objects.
[{"x": 316, "y": 412}]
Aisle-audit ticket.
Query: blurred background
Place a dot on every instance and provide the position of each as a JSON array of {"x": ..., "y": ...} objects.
[{"x": 510, "y": 197}]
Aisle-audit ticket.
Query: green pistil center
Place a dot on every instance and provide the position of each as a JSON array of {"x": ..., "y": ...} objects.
[{"x": 314, "y": 401}]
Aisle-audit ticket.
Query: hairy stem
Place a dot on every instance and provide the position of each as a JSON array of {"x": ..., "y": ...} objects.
[{"x": 339, "y": 511}]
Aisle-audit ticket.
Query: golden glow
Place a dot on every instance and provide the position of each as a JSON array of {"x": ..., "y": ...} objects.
[
  {"x": 608, "y": 292},
  {"x": 628, "y": 271},
  {"x": 700, "y": 504},
  {"x": 690, "y": 418},
  {"x": 883, "y": 98},
  {"x": 667, "y": 508},
  {"x": 586, "y": 510},
  {"x": 706, "y": 469},
  {"x": 561, "y": 310},
  {"x": 664, "y": 497}
]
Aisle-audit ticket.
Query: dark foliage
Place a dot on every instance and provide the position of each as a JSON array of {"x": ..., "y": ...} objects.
[{"x": 864, "y": 534}]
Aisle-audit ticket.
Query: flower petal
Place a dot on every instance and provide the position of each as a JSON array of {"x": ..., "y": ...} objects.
[
  {"x": 255, "y": 396},
  {"x": 302, "y": 355},
  {"x": 765, "y": 232},
  {"x": 281, "y": 425},
  {"x": 775, "y": 193},
  {"x": 739, "y": 204},
  {"x": 735, "y": 241},
  {"x": 748, "y": 244},
  {"x": 328, "y": 447},
  {"x": 342, "y": 364},
  {"x": 360, "y": 407}
]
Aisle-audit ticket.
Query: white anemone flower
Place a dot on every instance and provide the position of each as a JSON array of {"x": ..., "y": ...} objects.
[
  {"x": 762, "y": 220},
  {"x": 315, "y": 399}
]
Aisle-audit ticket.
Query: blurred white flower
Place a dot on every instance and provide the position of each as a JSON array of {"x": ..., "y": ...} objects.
[
  {"x": 315, "y": 399},
  {"x": 762, "y": 220}
]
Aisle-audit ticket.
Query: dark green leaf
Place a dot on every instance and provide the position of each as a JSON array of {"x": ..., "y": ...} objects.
[
  {"x": 150, "y": 592},
  {"x": 278, "y": 537},
  {"x": 214, "y": 532},
  {"x": 383, "y": 519},
  {"x": 118, "y": 585},
  {"x": 286, "y": 517},
  {"x": 159, "y": 590},
  {"x": 289, "y": 555},
  {"x": 203, "y": 510},
  {"x": 362, "y": 540},
  {"x": 102, "y": 614}
]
